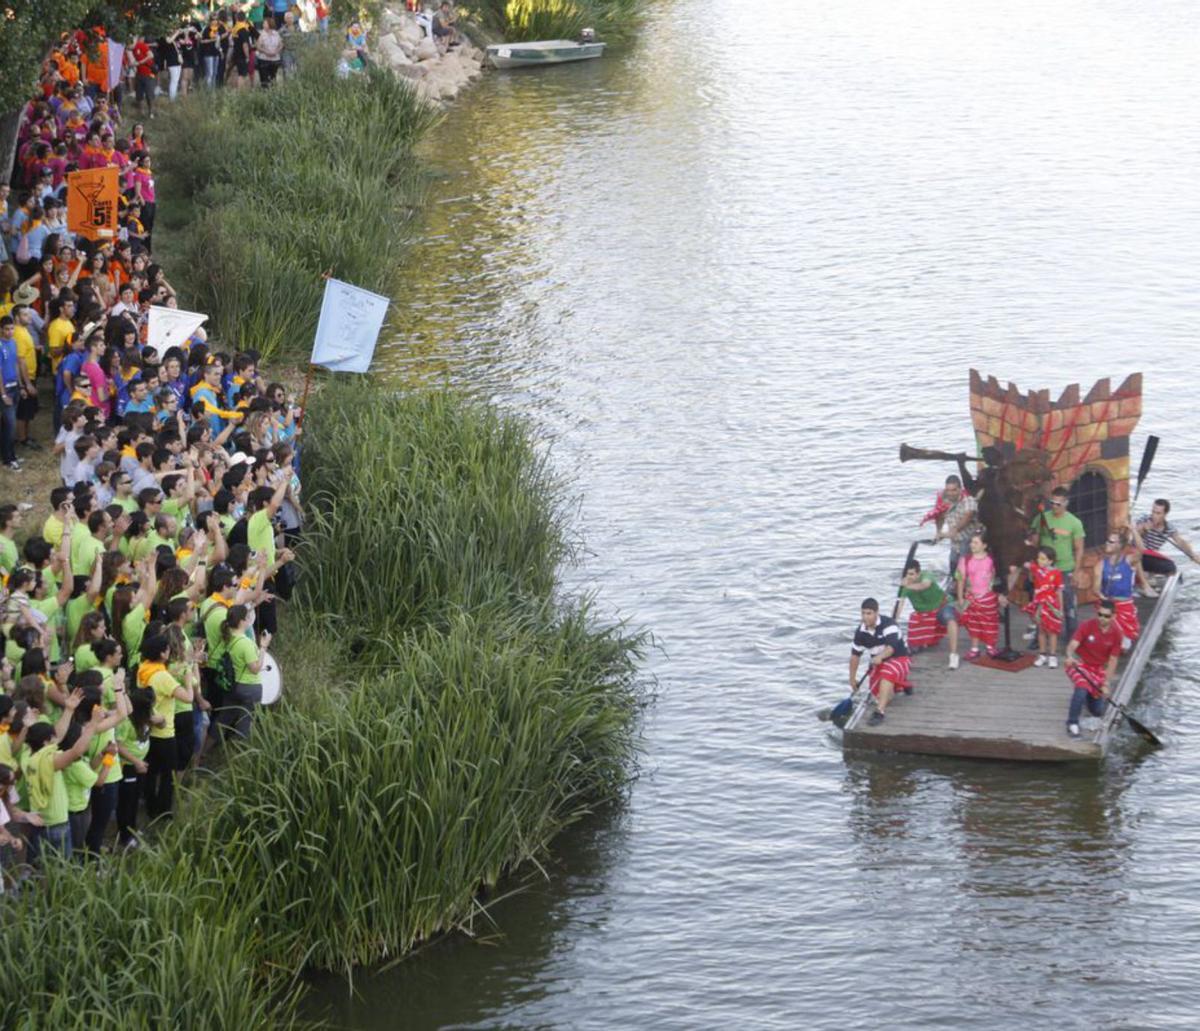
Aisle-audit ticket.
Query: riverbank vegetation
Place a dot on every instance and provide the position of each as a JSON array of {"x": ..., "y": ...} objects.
[
  {"x": 449, "y": 708},
  {"x": 520, "y": 20},
  {"x": 447, "y": 714},
  {"x": 316, "y": 175}
]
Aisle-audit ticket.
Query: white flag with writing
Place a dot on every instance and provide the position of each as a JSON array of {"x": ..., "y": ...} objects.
[
  {"x": 348, "y": 328},
  {"x": 170, "y": 327}
]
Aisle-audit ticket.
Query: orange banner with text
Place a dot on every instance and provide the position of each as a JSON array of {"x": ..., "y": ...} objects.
[{"x": 92, "y": 201}]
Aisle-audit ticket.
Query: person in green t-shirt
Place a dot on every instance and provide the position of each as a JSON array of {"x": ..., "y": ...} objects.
[
  {"x": 42, "y": 763},
  {"x": 178, "y": 490},
  {"x": 1062, "y": 531},
  {"x": 91, "y": 629},
  {"x": 238, "y": 714},
  {"x": 180, "y": 617},
  {"x": 87, "y": 542},
  {"x": 133, "y": 746},
  {"x": 86, "y": 774},
  {"x": 10, "y": 519},
  {"x": 934, "y": 614},
  {"x": 131, "y": 609},
  {"x": 101, "y": 756},
  {"x": 121, "y": 485}
]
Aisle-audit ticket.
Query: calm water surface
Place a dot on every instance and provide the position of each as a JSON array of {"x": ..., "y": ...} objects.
[{"x": 727, "y": 271}]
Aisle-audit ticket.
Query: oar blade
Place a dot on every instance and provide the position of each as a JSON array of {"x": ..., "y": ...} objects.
[
  {"x": 1142, "y": 731},
  {"x": 1147, "y": 460},
  {"x": 840, "y": 714}
]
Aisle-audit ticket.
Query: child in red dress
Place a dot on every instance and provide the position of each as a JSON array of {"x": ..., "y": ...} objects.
[{"x": 1046, "y": 608}]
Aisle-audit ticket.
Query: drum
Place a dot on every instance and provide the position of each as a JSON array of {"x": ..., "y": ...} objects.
[{"x": 272, "y": 681}]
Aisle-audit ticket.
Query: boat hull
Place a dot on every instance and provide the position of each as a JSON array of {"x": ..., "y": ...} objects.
[{"x": 535, "y": 55}]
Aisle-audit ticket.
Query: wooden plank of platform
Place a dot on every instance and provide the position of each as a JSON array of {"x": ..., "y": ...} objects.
[{"x": 980, "y": 712}]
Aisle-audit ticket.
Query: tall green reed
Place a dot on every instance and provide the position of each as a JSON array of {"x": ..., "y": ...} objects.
[
  {"x": 454, "y": 502},
  {"x": 314, "y": 175},
  {"x": 124, "y": 945},
  {"x": 520, "y": 20},
  {"x": 370, "y": 819}
]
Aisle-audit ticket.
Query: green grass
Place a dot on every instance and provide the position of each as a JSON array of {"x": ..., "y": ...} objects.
[{"x": 314, "y": 175}]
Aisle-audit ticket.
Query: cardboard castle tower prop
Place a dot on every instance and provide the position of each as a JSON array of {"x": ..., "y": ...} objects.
[{"x": 1081, "y": 443}]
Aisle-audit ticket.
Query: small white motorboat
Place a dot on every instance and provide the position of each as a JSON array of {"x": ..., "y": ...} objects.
[{"x": 549, "y": 51}]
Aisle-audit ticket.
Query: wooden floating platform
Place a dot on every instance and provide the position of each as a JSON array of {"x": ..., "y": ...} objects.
[{"x": 984, "y": 713}]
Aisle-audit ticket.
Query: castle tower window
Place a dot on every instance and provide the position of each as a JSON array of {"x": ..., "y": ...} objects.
[{"x": 1089, "y": 501}]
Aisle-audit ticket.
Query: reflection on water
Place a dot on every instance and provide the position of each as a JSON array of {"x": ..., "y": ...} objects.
[{"x": 726, "y": 272}]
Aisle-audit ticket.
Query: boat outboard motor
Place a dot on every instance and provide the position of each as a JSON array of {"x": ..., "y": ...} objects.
[{"x": 587, "y": 35}]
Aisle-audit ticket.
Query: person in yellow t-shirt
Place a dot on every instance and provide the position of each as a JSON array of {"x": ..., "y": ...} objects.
[
  {"x": 164, "y": 754},
  {"x": 60, "y": 330},
  {"x": 27, "y": 405}
]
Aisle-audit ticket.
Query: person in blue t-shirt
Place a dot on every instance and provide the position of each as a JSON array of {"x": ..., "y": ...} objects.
[
  {"x": 68, "y": 369},
  {"x": 14, "y": 384}
]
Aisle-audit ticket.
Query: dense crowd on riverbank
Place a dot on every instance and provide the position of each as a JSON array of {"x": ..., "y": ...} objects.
[
  {"x": 135, "y": 616},
  {"x": 429, "y": 638}
]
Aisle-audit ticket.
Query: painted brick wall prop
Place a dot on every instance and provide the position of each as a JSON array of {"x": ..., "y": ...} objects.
[{"x": 1081, "y": 433}]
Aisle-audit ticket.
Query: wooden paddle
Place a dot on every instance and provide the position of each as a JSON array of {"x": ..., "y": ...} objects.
[
  {"x": 1148, "y": 454},
  {"x": 1138, "y": 726}
]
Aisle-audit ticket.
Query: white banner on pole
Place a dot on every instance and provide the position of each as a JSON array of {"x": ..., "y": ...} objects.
[
  {"x": 348, "y": 329},
  {"x": 116, "y": 58},
  {"x": 170, "y": 327}
]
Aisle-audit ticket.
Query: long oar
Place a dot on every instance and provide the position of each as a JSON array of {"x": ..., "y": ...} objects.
[
  {"x": 841, "y": 712},
  {"x": 1138, "y": 726},
  {"x": 1147, "y": 459}
]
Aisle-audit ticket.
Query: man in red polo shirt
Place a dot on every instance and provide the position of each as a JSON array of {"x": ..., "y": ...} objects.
[
  {"x": 1091, "y": 662},
  {"x": 146, "y": 82}
]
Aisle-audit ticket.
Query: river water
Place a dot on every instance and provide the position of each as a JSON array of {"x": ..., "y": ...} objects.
[{"x": 727, "y": 271}]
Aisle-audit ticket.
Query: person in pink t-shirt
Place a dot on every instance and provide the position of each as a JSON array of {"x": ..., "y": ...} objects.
[
  {"x": 100, "y": 394},
  {"x": 978, "y": 606}
]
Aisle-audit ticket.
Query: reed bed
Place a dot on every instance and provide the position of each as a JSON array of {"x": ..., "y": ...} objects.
[
  {"x": 447, "y": 713},
  {"x": 313, "y": 175},
  {"x": 369, "y": 820},
  {"x": 454, "y": 502},
  {"x": 520, "y": 20},
  {"x": 121, "y": 945}
]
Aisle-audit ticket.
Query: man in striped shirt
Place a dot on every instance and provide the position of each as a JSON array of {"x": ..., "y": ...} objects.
[
  {"x": 1152, "y": 532},
  {"x": 880, "y": 638}
]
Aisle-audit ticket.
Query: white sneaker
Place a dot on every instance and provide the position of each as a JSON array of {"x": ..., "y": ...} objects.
[
  {"x": 1073, "y": 729},
  {"x": 953, "y": 660},
  {"x": 1040, "y": 660},
  {"x": 1054, "y": 662}
]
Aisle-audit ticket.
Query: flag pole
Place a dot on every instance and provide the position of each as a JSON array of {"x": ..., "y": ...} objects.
[{"x": 326, "y": 275}]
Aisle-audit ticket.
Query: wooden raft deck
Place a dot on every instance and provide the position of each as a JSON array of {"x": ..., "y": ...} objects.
[{"x": 978, "y": 712}]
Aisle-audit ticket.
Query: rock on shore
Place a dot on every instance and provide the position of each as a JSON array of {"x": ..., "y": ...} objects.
[{"x": 404, "y": 49}]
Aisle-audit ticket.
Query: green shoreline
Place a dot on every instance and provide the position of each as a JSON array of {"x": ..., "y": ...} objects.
[{"x": 447, "y": 712}]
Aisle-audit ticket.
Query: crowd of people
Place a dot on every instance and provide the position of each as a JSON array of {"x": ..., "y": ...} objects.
[
  {"x": 135, "y": 617},
  {"x": 1050, "y": 580},
  {"x": 236, "y": 45}
]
